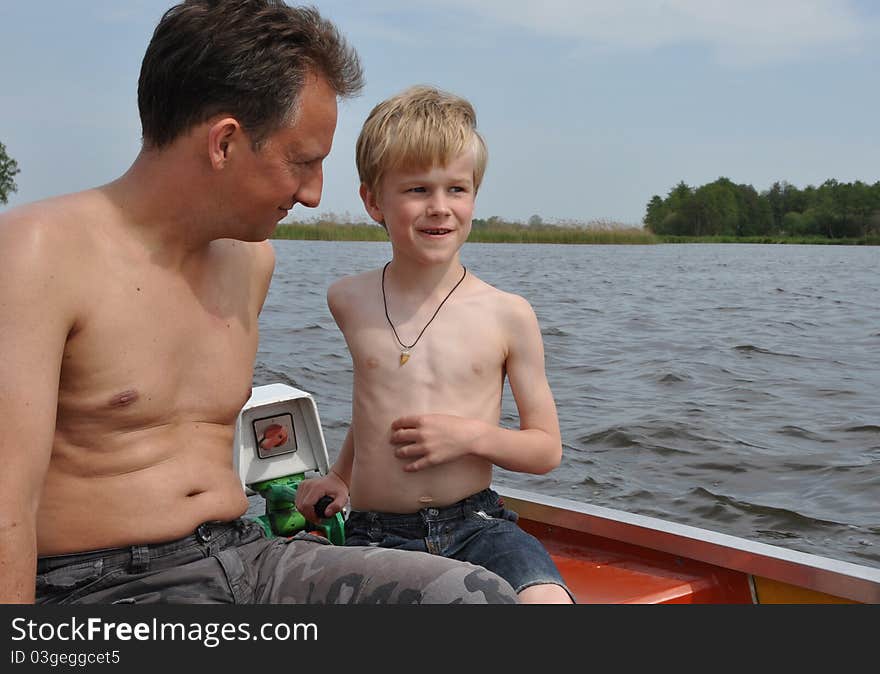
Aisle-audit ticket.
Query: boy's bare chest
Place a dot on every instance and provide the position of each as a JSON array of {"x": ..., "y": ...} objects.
[{"x": 459, "y": 346}]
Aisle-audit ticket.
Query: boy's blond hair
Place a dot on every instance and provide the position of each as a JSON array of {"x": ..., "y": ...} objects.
[{"x": 418, "y": 128}]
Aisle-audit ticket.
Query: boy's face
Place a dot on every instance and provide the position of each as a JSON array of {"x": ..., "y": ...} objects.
[{"x": 427, "y": 212}]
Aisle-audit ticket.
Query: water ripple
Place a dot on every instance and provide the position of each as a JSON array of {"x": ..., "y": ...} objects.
[{"x": 732, "y": 388}]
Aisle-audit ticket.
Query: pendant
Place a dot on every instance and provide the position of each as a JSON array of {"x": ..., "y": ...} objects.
[{"x": 404, "y": 356}]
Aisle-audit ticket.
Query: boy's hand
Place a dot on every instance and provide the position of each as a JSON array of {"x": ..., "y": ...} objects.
[
  {"x": 309, "y": 491},
  {"x": 432, "y": 439}
]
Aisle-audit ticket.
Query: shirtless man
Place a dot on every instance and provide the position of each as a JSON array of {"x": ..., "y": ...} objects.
[
  {"x": 129, "y": 333},
  {"x": 431, "y": 345}
]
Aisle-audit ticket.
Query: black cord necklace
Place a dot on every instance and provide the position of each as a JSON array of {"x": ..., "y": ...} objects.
[{"x": 405, "y": 348}]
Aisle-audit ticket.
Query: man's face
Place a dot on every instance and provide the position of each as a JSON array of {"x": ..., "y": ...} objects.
[{"x": 287, "y": 169}]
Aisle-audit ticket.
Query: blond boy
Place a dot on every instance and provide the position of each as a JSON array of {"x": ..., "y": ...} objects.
[{"x": 430, "y": 345}]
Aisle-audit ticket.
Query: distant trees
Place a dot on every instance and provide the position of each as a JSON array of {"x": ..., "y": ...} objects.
[
  {"x": 8, "y": 171},
  {"x": 723, "y": 208}
]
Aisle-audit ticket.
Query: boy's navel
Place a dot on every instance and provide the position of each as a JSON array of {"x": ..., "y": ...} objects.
[{"x": 426, "y": 499}]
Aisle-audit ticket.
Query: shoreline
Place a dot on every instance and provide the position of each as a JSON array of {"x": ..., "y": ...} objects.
[{"x": 331, "y": 231}]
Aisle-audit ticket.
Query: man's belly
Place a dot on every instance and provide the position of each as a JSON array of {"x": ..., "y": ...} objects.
[{"x": 159, "y": 497}]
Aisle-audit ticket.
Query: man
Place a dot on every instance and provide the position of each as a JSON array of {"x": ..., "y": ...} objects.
[{"x": 129, "y": 333}]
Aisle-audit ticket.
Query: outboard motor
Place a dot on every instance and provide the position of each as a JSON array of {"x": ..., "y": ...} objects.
[{"x": 278, "y": 443}]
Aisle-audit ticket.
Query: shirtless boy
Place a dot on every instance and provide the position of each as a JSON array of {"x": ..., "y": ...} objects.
[
  {"x": 129, "y": 331},
  {"x": 430, "y": 345}
]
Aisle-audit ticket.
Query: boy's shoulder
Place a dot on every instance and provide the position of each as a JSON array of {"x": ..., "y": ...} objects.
[
  {"x": 495, "y": 292},
  {"x": 352, "y": 287},
  {"x": 508, "y": 302},
  {"x": 354, "y": 280}
]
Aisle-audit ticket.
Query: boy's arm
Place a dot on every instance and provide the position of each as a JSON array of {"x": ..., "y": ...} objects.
[
  {"x": 335, "y": 483},
  {"x": 342, "y": 466},
  {"x": 34, "y": 303},
  {"x": 432, "y": 439},
  {"x": 265, "y": 255},
  {"x": 339, "y": 298},
  {"x": 537, "y": 446}
]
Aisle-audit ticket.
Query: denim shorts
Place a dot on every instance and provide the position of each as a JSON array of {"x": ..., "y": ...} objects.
[
  {"x": 477, "y": 529},
  {"x": 235, "y": 563}
]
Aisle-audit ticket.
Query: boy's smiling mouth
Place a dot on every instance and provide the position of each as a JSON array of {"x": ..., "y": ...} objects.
[{"x": 436, "y": 231}]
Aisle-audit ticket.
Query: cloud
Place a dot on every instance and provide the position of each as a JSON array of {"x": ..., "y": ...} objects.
[{"x": 740, "y": 33}]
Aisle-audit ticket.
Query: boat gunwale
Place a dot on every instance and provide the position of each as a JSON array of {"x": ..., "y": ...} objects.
[{"x": 822, "y": 574}]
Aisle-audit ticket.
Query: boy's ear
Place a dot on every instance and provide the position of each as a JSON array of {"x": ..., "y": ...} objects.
[
  {"x": 223, "y": 134},
  {"x": 372, "y": 206}
]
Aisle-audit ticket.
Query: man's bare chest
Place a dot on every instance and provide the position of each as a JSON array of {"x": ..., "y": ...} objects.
[{"x": 152, "y": 348}]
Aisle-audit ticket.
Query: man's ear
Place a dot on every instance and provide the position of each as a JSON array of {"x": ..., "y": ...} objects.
[
  {"x": 372, "y": 206},
  {"x": 223, "y": 135}
]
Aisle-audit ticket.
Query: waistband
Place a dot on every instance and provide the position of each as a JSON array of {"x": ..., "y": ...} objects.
[
  {"x": 486, "y": 499},
  {"x": 206, "y": 539}
]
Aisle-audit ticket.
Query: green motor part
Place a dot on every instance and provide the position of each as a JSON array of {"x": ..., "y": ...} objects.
[
  {"x": 334, "y": 529},
  {"x": 283, "y": 519}
]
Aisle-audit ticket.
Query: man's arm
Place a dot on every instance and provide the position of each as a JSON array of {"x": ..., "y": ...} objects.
[
  {"x": 34, "y": 323},
  {"x": 432, "y": 439}
]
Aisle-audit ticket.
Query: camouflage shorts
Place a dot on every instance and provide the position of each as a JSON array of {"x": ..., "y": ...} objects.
[{"x": 234, "y": 563}]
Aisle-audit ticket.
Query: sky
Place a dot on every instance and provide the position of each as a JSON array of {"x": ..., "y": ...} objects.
[{"x": 589, "y": 107}]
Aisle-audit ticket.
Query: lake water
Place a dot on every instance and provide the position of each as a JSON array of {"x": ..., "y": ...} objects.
[{"x": 730, "y": 387}]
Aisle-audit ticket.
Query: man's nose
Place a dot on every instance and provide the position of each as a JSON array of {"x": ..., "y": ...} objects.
[{"x": 309, "y": 192}]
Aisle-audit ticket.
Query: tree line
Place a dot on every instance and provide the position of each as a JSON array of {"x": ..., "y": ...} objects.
[
  {"x": 8, "y": 171},
  {"x": 833, "y": 210}
]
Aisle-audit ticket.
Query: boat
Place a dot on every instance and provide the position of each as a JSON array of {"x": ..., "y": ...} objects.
[{"x": 606, "y": 556}]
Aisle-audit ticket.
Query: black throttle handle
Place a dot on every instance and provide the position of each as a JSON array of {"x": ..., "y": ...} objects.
[{"x": 321, "y": 505}]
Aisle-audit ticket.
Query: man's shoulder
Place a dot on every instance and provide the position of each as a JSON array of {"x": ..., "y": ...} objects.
[
  {"x": 42, "y": 230},
  {"x": 45, "y": 247}
]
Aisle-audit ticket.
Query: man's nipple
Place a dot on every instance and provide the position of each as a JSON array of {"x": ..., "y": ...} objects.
[{"x": 124, "y": 398}]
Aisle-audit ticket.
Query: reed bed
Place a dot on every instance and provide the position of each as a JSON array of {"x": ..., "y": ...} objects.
[
  {"x": 551, "y": 234},
  {"x": 331, "y": 231}
]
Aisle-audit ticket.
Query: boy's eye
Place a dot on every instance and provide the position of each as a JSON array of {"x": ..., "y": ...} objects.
[{"x": 416, "y": 189}]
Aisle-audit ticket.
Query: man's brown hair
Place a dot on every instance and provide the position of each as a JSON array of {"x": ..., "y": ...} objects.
[{"x": 245, "y": 58}]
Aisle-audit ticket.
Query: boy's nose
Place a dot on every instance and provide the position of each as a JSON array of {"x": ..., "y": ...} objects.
[{"x": 438, "y": 205}]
